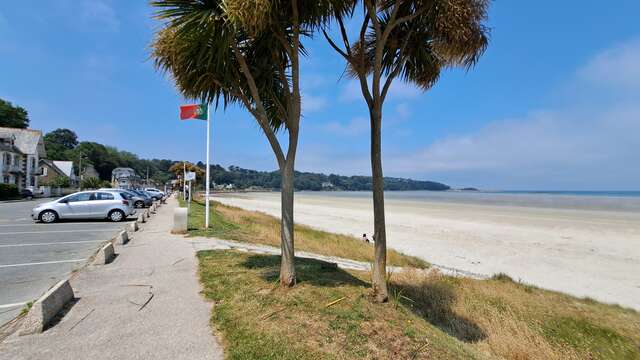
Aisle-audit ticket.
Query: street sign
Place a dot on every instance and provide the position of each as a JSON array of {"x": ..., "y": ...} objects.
[{"x": 190, "y": 176}]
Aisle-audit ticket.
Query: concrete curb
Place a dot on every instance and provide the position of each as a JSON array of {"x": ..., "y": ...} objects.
[
  {"x": 133, "y": 227},
  {"x": 122, "y": 238},
  {"x": 46, "y": 308},
  {"x": 104, "y": 255}
]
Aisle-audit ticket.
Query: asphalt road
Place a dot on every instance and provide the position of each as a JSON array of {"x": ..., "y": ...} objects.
[{"x": 34, "y": 256}]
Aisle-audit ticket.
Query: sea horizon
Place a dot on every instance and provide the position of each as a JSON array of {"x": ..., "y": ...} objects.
[{"x": 625, "y": 201}]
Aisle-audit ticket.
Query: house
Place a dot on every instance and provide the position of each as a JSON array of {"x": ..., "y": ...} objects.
[
  {"x": 89, "y": 171},
  {"x": 125, "y": 178},
  {"x": 52, "y": 169},
  {"x": 20, "y": 153},
  {"x": 327, "y": 185}
]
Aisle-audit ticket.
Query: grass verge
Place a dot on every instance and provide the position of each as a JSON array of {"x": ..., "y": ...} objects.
[
  {"x": 227, "y": 222},
  {"x": 329, "y": 315}
]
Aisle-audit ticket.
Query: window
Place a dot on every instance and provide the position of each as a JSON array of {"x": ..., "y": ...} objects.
[
  {"x": 5, "y": 180},
  {"x": 33, "y": 163},
  {"x": 105, "y": 196},
  {"x": 32, "y": 181},
  {"x": 125, "y": 195},
  {"x": 81, "y": 197}
]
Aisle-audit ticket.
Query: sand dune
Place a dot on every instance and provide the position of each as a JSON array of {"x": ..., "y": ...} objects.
[{"x": 581, "y": 252}]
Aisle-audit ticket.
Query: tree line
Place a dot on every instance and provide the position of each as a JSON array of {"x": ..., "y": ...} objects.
[
  {"x": 63, "y": 144},
  {"x": 245, "y": 178}
]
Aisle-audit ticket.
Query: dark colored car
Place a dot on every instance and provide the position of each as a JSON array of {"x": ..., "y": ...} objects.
[
  {"x": 26, "y": 194},
  {"x": 148, "y": 200}
]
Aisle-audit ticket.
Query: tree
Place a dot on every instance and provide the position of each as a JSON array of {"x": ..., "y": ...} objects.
[
  {"x": 58, "y": 181},
  {"x": 236, "y": 51},
  {"x": 92, "y": 183},
  {"x": 179, "y": 167},
  {"x": 104, "y": 159},
  {"x": 13, "y": 116},
  {"x": 413, "y": 40},
  {"x": 58, "y": 143}
]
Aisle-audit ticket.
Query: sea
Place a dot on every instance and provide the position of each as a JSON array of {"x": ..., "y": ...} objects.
[{"x": 625, "y": 201}]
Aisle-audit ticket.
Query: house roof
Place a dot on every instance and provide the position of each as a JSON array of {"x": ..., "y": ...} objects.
[
  {"x": 52, "y": 166},
  {"x": 26, "y": 140},
  {"x": 65, "y": 166},
  {"x": 9, "y": 147}
]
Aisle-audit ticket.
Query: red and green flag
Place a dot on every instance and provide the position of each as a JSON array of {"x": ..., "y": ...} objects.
[{"x": 188, "y": 112}]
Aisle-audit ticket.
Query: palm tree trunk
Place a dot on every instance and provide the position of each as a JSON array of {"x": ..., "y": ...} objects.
[
  {"x": 287, "y": 268},
  {"x": 380, "y": 291}
]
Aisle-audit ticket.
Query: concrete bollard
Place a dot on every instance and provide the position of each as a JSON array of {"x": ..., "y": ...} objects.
[
  {"x": 122, "y": 238},
  {"x": 133, "y": 226},
  {"x": 104, "y": 255},
  {"x": 179, "y": 221},
  {"x": 46, "y": 308},
  {"x": 147, "y": 213}
]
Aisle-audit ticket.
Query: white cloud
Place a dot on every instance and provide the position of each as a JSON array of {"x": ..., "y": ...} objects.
[
  {"x": 98, "y": 14},
  {"x": 312, "y": 103},
  {"x": 617, "y": 67},
  {"x": 571, "y": 146},
  {"x": 354, "y": 127}
]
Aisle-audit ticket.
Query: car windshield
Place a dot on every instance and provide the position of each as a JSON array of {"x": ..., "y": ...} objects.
[{"x": 125, "y": 195}]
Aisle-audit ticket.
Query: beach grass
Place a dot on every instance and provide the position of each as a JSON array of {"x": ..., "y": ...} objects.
[
  {"x": 232, "y": 223},
  {"x": 329, "y": 315}
]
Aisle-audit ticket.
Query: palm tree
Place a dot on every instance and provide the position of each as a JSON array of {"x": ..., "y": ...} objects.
[
  {"x": 413, "y": 40},
  {"x": 245, "y": 52}
]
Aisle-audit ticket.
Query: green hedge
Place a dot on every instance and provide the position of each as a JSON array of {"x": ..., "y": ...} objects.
[{"x": 8, "y": 191}]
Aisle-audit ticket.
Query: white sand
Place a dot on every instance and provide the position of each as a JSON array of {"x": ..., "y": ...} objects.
[{"x": 580, "y": 252}]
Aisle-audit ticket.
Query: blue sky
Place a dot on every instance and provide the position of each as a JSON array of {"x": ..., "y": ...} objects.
[{"x": 553, "y": 104}]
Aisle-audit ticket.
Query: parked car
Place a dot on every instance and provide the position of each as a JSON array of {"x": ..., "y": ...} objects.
[
  {"x": 26, "y": 194},
  {"x": 95, "y": 204},
  {"x": 138, "y": 201},
  {"x": 148, "y": 199},
  {"x": 157, "y": 194}
]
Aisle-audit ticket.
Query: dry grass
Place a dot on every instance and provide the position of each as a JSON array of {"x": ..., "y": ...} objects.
[
  {"x": 517, "y": 321},
  {"x": 233, "y": 223},
  {"x": 429, "y": 316}
]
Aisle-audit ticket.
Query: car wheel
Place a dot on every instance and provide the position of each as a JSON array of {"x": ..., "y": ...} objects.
[
  {"x": 48, "y": 216},
  {"x": 116, "y": 215},
  {"x": 139, "y": 204}
]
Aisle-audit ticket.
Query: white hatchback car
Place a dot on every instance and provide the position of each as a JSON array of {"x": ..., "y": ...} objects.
[{"x": 85, "y": 205}]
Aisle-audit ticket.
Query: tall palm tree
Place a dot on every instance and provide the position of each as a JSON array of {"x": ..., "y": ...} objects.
[
  {"x": 413, "y": 40},
  {"x": 245, "y": 52}
]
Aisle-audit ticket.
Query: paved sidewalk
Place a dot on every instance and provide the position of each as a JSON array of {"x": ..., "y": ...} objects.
[{"x": 146, "y": 304}]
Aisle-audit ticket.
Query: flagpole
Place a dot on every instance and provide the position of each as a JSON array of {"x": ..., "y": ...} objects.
[
  {"x": 206, "y": 195},
  {"x": 184, "y": 181}
]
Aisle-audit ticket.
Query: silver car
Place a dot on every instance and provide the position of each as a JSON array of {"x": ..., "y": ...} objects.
[{"x": 85, "y": 205}]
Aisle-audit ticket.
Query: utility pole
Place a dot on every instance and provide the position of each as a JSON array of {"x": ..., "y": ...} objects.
[
  {"x": 147, "y": 176},
  {"x": 80, "y": 171}
]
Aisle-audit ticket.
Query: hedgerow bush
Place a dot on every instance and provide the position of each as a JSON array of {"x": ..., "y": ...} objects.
[{"x": 8, "y": 191}]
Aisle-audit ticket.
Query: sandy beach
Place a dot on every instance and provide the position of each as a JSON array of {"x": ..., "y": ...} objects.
[{"x": 589, "y": 251}]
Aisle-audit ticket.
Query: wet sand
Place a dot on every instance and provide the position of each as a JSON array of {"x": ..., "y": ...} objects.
[{"x": 585, "y": 252}]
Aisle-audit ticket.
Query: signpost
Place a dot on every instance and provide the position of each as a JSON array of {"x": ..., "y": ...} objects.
[{"x": 189, "y": 176}]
